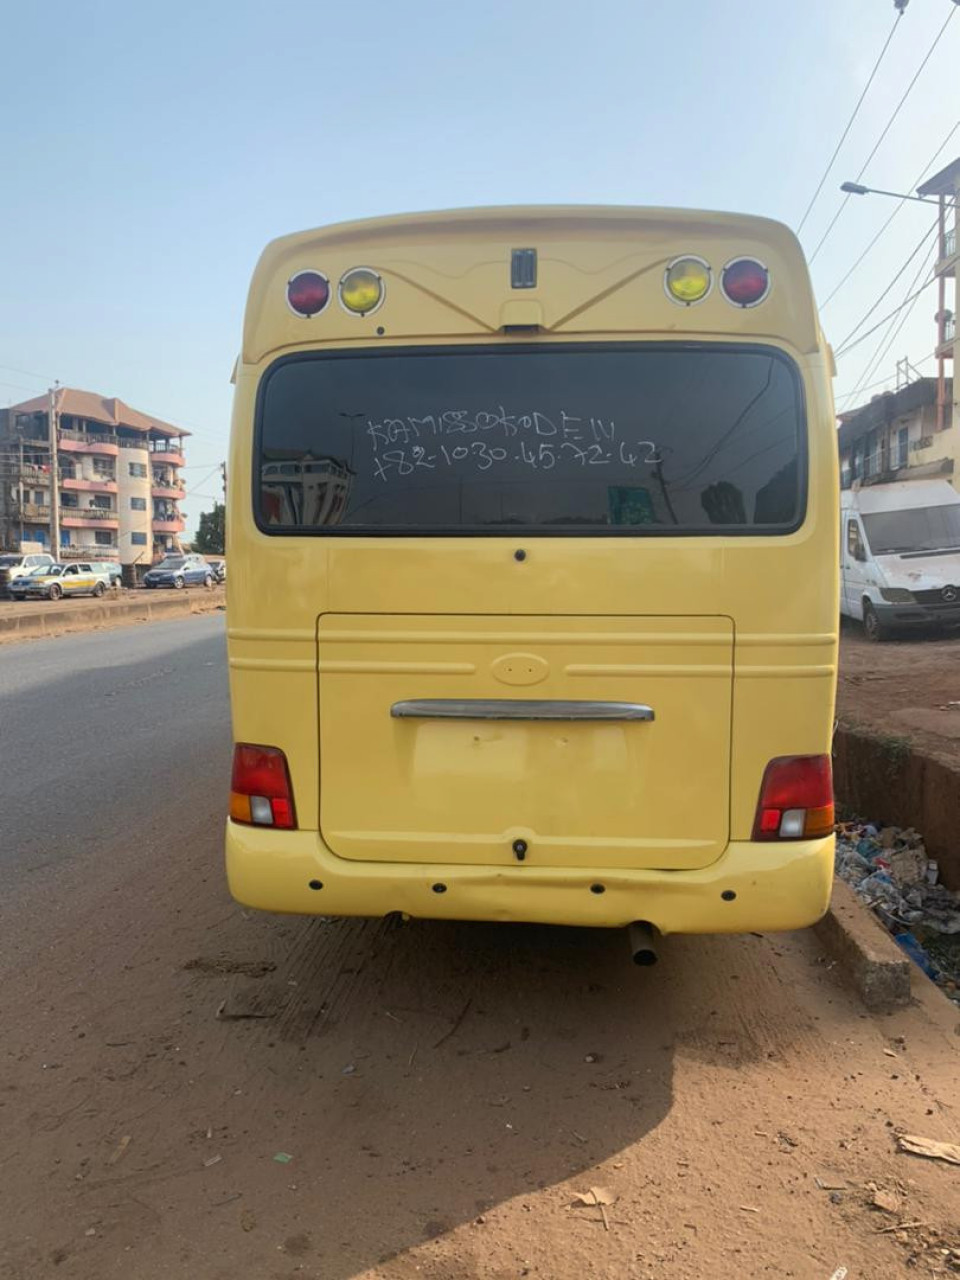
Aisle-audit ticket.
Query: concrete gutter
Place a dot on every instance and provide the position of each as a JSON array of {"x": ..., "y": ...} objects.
[
  {"x": 135, "y": 606},
  {"x": 870, "y": 959}
]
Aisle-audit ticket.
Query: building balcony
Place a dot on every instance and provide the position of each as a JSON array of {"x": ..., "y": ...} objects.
[
  {"x": 163, "y": 454},
  {"x": 132, "y": 442},
  {"x": 101, "y": 445},
  {"x": 99, "y": 485},
  {"x": 89, "y": 551},
  {"x": 947, "y": 257},
  {"x": 81, "y": 517},
  {"x": 167, "y": 491},
  {"x": 35, "y": 512},
  {"x": 945, "y": 346},
  {"x": 174, "y": 524}
]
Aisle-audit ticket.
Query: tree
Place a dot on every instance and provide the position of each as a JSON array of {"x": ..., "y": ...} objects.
[{"x": 209, "y": 539}]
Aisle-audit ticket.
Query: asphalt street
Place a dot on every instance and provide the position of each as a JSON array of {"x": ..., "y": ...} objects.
[{"x": 109, "y": 738}]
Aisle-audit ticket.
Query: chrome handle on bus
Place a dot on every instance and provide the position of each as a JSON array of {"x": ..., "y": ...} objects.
[{"x": 517, "y": 709}]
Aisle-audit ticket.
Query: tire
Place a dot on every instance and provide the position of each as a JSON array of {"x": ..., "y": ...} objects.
[
  {"x": 178, "y": 583},
  {"x": 873, "y": 628},
  {"x": 54, "y": 591},
  {"x": 99, "y": 589}
]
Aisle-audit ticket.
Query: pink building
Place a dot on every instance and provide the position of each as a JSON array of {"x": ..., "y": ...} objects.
[{"x": 119, "y": 486}]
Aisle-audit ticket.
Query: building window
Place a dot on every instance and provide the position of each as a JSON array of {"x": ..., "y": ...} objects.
[
  {"x": 138, "y": 539},
  {"x": 103, "y": 537},
  {"x": 38, "y": 497},
  {"x": 138, "y": 469},
  {"x": 138, "y": 504},
  {"x": 103, "y": 468},
  {"x": 903, "y": 446},
  {"x": 100, "y": 501}
]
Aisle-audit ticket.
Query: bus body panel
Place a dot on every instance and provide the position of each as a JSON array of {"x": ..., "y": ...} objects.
[{"x": 384, "y": 795}]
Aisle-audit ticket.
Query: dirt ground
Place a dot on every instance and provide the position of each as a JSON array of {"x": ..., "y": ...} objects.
[
  {"x": 189, "y": 1089},
  {"x": 903, "y": 688}
]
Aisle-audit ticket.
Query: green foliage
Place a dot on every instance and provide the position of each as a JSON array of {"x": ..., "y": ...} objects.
[{"x": 209, "y": 539}]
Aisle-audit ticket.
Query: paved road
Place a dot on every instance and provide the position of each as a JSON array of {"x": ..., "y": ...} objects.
[
  {"x": 107, "y": 737},
  {"x": 191, "y": 1089}
]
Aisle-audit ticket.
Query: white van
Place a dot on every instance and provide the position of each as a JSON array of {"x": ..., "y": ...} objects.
[{"x": 900, "y": 555}]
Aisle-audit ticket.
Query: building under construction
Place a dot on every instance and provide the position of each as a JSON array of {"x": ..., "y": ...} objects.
[{"x": 86, "y": 477}]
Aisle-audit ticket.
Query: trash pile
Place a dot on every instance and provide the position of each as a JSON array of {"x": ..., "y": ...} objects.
[{"x": 888, "y": 869}]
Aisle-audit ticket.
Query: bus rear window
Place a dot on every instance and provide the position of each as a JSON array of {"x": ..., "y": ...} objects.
[{"x": 672, "y": 439}]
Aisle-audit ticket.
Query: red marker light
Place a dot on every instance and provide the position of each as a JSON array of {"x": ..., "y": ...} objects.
[
  {"x": 308, "y": 292},
  {"x": 745, "y": 282}
]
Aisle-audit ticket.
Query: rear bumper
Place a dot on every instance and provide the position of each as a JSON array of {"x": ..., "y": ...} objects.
[{"x": 776, "y": 886}]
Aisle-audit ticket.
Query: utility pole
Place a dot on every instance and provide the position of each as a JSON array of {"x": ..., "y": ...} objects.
[
  {"x": 20, "y": 478},
  {"x": 54, "y": 416}
]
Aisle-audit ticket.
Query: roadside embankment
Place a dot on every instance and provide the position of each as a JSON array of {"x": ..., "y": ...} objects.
[
  {"x": 893, "y": 782},
  {"x": 46, "y": 618}
]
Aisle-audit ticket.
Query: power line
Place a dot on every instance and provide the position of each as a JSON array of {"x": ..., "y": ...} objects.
[
  {"x": 886, "y": 130},
  {"x": 930, "y": 231},
  {"x": 890, "y": 336},
  {"x": 915, "y": 364},
  {"x": 913, "y": 186},
  {"x": 856, "y": 109},
  {"x": 880, "y": 323}
]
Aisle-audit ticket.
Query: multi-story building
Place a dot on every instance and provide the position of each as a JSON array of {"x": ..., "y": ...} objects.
[
  {"x": 914, "y": 432},
  {"x": 945, "y": 185},
  {"x": 118, "y": 480},
  {"x": 896, "y": 437}
]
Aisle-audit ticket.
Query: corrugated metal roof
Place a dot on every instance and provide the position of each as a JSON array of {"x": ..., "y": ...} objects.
[
  {"x": 885, "y": 408},
  {"x": 97, "y": 408}
]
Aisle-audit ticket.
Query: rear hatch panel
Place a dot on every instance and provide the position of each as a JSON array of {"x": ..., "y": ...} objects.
[{"x": 621, "y": 792}]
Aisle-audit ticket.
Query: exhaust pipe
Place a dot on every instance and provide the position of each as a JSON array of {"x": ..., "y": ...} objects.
[{"x": 643, "y": 942}]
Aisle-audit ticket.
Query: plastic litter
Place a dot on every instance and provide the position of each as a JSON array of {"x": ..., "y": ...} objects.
[{"x": 888, "y": 869}]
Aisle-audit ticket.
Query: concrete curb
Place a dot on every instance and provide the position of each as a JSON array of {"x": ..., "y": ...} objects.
[
  {"x": 143, "y": 606},
  {"x": 872, "y": 962}
]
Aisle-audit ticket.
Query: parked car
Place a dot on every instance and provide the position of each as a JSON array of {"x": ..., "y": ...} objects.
[
  {"x": 110, "y": 571},
  {"x": 180, "y": 571},
  {"x": 56, "y": 580},
  {"x": 219, "y": 568},
  {"x": 900, "y": 555},
  {"x": 16, "y": 565}
]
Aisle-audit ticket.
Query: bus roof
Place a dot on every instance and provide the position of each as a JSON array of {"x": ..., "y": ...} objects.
[{"x": 446, "y": 276}]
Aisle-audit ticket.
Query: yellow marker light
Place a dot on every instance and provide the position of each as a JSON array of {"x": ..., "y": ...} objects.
[
  {"x": 687, "y": 280},
  {"x": 361, "y": 291}
]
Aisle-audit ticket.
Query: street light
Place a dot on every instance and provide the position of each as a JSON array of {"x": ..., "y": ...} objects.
[{"x": 857, "y": 189}]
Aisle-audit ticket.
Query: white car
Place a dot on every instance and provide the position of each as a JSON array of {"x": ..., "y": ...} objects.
[{"x": 17, "y": 565}]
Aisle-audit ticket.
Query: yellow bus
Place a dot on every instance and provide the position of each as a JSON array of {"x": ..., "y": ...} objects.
[{"x": 532, "y": 611}]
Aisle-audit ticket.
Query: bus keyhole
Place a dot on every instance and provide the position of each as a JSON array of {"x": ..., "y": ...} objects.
[{"x": 520, "y": 849}]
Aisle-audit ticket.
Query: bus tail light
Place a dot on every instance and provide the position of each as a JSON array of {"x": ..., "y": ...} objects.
[
  {"x": 796, "y": 799},
  {"x": 687, "y": 280},
  {"x": 308, "y": 292},
  {"x": 260, "y": 791},
  {"x": 361, "y": 291},
  {"x": 745, "y": 282}
]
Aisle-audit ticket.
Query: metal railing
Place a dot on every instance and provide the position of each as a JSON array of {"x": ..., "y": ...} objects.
[
  {"x": 948, "y": 245},
  {"x": 90, "y": 513},
  {"x": 88, "y": 437},
  {"x": 98, "y": 551},
  {"x": 949, "y": 329}
]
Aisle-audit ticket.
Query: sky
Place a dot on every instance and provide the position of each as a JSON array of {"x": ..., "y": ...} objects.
[{"x": 148, "y": 152}]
